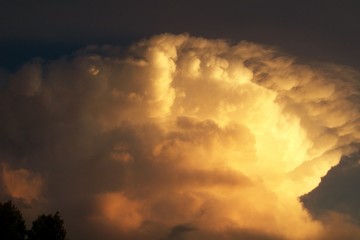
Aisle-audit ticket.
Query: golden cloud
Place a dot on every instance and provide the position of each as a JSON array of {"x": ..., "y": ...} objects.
[{"x": 184, "y": 131}]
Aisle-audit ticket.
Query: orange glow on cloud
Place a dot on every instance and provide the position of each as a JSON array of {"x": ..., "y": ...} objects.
[
  {"x": 244, "y": 133},
  {"x": 187, "y": 131},
  {"x": 120, "y": 211},
  {"x": 23, "y": 184}
]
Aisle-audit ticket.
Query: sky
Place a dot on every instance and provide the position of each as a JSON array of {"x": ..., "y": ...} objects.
[{"x": 183, "y": 119}]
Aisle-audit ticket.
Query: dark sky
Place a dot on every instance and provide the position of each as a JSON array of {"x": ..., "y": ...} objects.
[{"x": 317, "y": 30}]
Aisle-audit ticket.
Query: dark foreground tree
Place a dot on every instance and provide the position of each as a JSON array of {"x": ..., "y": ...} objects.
[
  {"x": 47, "y": 227},
  {"x": 12, "y": 224}
]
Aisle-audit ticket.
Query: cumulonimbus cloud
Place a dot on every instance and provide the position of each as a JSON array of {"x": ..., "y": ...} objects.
[{"x": 179, "y": 131}]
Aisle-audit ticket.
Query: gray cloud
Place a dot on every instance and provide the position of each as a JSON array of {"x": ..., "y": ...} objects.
[{"x": 336, "y": 192}]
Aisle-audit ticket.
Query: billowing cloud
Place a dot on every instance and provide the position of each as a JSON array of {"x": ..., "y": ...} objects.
[{"x": 180, "y": 138}]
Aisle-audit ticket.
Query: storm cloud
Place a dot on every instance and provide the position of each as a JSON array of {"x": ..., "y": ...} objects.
[{"x": 177, "y": 137}]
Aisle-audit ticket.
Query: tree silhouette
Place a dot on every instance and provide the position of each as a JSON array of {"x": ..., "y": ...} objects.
[
  {"x": 12, "y": 224},
  {"x": 47, "y": 227}
]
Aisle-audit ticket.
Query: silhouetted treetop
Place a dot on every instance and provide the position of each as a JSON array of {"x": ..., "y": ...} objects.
[
  {"x": 12, "y": 224},
  {"x": 47, "y": 227}
]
